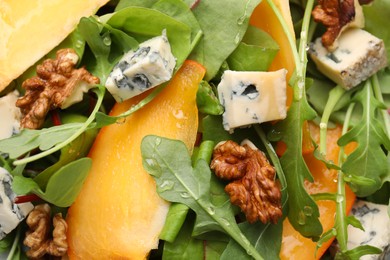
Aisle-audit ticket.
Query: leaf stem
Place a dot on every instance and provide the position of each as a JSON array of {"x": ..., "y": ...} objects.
[
  {"x": 15, "y": 243},
  {"x": 378, "y": 95},
  {"x": 71, "y": 138},
  {"x": 334, "y": 96},
  {"x": 340, "y": 223}
]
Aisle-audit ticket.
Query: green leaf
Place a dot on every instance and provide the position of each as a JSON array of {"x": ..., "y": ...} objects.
[
  {"x": 374, "y": 14},
  {"x": 177, "y": 181},
  {"x": 43, "y": 139},
  {"x": 217, "y": 42},
  {"x": 358, "y": 252},
  {"x": 73, "y": 151},
  {"x": 369, "y": 159},
  {"x": 107, "y": 45},
  {"x": 266, "y": 238},
  {"x": 144, "y": 23},
  {"x": 255, "y": 53},
  {"x": 293, "y": 164},
  {"x": 207, "y": 101},
  {"x": 185, "y": 246},
  {"x": 63, "y": 186}
]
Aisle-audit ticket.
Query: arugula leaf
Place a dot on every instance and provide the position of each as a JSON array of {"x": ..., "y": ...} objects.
[
  {"x": 177, "y": 181},
  {"x": 43, "y": 139},
  {"x": 299, "y": 202},
  {"x": 63, "y": 186},
  {"x": 73, "y": 151},
  {"x": 49, "y": 140},
  {"x": 144, "y": 23},
  {"x": 255, "y": 52},
  {"x": 368, "y": 160},
  {"x": 217, "y": 42}
]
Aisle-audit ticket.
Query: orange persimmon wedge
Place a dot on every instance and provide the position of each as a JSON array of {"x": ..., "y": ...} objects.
[
  {"x": 295, "y": 246},
  {"x": 118, "y": 214},
  {"x": 264, "y": 18}
]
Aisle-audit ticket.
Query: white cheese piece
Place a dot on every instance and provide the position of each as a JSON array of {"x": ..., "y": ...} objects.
[
  {"x": 10, "y": 115},
  {"x": 251, "y": 97},
  {"x": 150, "y": 65},
  {"x": 376, "y": 222},
  {"x": 11, "y": 214},
  {"x": 77, "y": 94},
  {"x": 358, "y": 56}
]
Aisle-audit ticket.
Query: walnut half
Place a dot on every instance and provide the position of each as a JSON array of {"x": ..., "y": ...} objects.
[
  {"x": 38, "y": 238},
  {"x": 253, "y": 187},
  {"x": 337, "y": 16},
  {"x": 56, "y": 81}
]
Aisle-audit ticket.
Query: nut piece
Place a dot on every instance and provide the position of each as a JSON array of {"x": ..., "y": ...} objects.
[
  {"x": 38, "y": 238},
  {"x": 55, "y": 82},
  {"x": 337, "y": 16},
  {"x": 253, "y": 187}
]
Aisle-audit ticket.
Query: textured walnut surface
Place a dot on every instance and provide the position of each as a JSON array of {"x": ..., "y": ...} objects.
[
  {"x": 55, "y": 81},
  {"x": 335, "y": 15},
  {"x": 253, "y": 187},
  {"x": 38, "y": 238}
]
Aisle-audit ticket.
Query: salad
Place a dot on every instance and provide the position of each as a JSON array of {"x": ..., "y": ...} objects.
[{"x": 201, "y": 129}]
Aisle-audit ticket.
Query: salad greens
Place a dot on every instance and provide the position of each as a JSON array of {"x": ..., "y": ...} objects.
[{"x": 201, "y": 222}]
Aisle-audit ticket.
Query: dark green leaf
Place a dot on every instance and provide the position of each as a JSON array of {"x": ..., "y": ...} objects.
[
  {"x": 266, "y": 238},
  {"x": 375, "y": 13},
  {"x": 353, "y": 221},
  {"x": 255, "y": 53},
  {"x": 143, "y": 23},
  {"x": 185, "y": 246},
  {"x": 293, "y": 164},
  {"x": 217, "y": 42}
]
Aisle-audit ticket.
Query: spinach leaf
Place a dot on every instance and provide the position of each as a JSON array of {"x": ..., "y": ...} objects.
[
  {"x": 217, "y": 42},
  {"x": 180, "y": 11},
  {"x": 374, "y": 14},
  {"x": 143, "y": 23},
  {"x": 63, "y": 186},
  {"x": 369, "y": 159},
  {"x": 262, "y": 236},
  {"x": 107, "y": 45},
  {"x": 177, "y": 181},
  {"x": 255, "y": 52},
  {"x": 142, "y": 3}
]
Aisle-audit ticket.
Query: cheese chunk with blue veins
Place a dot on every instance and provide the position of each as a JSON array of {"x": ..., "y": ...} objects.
[
  {"x": 11, "y": 214},
  {"x": 251, "y": 97},
  {"x": 140, "y": 70},
  {"x": 10, "y": 115},
  {"x": 359, "y": 55},
  {"x": 376, "y": 224}
]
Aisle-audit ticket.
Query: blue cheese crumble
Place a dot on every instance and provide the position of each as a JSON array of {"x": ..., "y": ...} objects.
[
  {"x": 251, "y": 97},
  {"x": 140, "y": 70},
  {"x": 11, "y": 214},
  {"x": 10, "y": 115},
  {"x": 376, "y": 224}
]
